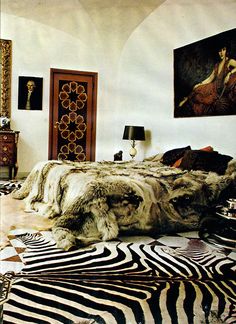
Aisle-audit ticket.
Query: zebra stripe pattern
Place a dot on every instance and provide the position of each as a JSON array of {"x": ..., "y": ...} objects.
[
  {"x": 7, "y": 187},
  {"x": 122, "y": 282}
]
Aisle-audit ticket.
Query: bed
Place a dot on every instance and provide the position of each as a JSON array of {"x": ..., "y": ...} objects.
[{"x": 114, "y": 253}]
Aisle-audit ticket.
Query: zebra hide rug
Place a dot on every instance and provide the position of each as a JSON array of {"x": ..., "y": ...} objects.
[
  {"x": 93, "y": 201},
  {"x": 132, "y": 280}
]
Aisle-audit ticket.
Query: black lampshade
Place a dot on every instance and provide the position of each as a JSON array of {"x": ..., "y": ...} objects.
[{"x": 134, "y": 133}]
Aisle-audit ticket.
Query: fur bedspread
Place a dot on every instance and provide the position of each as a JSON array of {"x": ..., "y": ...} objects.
[{"x": 93, "y": 201}]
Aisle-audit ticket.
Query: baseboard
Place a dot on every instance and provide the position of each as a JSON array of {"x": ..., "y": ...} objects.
[
  {"x": 22, "y": 175},
  {"x": 4, "y": 175}
]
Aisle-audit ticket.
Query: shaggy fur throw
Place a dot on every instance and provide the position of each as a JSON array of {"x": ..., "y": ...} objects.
[{"x": 92, "y": 201}]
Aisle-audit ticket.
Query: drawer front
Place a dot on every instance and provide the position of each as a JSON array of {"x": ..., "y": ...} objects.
[
  {"x": 6, "y": 159},
  {"x": 7, "y": 138},
  {"x": 7, "y": 153}
]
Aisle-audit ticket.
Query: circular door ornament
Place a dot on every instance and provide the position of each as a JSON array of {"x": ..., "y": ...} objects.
[
  {"x": 73, "y": 96},
  {"x": 70, "y": 121},
  {"x": 72, "y": 149}
]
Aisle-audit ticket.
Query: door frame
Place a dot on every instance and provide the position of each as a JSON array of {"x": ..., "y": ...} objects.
[{"x": 53, "y": 118}]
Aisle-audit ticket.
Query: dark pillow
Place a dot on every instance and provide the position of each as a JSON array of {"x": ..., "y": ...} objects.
[
  {"x": 178, "y": 162},
  {"x": 205, "y": 161},
  {"x": 171, "y": 156}
]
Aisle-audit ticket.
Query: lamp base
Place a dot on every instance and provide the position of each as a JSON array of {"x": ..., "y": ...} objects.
[{"x": 132, "y": 152}]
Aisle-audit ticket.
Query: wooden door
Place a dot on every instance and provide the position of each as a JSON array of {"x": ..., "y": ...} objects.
[{"x": 73, "y": 104}]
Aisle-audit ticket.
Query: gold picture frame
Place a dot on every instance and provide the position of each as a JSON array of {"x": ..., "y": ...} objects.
[{"x": 5, "y": 75}]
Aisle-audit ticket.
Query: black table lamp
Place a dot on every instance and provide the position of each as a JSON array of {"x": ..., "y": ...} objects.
[{"x": 134, "y": 133}]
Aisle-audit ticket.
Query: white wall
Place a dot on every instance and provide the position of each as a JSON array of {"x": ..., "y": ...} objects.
[
  {"x": 135, "y": 74},
  {"x": 148, "y": 58}
]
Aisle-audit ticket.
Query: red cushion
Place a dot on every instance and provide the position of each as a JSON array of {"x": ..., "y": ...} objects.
[{"x": 207, "y": 148}]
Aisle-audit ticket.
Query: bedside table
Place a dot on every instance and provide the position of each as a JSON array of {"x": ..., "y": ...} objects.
[{"x": 8, "y": 150}]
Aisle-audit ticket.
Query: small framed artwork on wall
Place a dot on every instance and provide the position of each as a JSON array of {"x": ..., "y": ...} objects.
[{"x": 30, "y": 93}]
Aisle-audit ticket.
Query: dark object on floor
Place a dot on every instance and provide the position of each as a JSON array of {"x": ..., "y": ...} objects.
[{"x": 220, "y": 228}]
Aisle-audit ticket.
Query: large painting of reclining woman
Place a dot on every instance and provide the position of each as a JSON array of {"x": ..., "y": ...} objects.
[{"x": 205, "y": 77}]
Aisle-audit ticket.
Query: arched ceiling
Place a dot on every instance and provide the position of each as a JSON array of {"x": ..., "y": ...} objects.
[
  {"x": 105, "y": 23},
  {"x": 118, "y": 17}
]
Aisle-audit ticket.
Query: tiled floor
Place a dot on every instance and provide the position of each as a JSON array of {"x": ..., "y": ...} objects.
[{"x": 11, "y": 257}]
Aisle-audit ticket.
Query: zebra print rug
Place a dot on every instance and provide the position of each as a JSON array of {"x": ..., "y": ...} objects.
[
  {"x": 130, "y": 280},
  {"x": 6, "y": 187}
]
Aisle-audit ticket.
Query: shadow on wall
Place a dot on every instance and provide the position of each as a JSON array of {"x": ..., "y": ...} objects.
[{"x": 147, "y": 143}]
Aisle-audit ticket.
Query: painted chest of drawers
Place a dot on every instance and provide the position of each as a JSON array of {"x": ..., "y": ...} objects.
[{"x": 8, "y": 151}]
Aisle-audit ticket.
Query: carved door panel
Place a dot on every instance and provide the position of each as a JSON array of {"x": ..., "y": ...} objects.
[{"x": 73, "y": 101}]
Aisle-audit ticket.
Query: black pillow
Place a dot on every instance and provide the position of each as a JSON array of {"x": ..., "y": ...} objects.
[
  {"x": 205, "y": 161},
  {"x": 171, "y": 156}
]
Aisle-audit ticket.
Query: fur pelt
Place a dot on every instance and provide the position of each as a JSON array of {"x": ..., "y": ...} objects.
[{"x": 92, "y": 201}]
